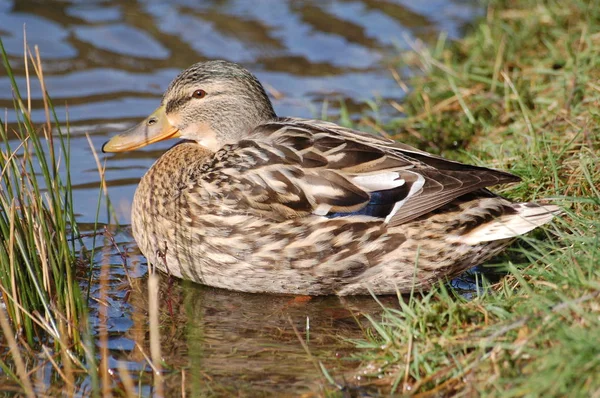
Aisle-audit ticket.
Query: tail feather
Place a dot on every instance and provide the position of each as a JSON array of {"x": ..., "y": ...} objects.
[{"x": 527, "y": 217}]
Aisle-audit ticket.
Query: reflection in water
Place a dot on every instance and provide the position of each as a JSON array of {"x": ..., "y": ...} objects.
[
  {"x": 227, "y": 342},
  {"x": 111, "y": 60}
]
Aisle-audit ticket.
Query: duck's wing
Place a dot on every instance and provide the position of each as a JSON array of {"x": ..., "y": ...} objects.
[{"x": 293, "y": 168}]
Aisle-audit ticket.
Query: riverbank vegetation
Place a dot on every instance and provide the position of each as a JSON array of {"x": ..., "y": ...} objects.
[
  {"x": 50, "y": 342},
  {"x": 520, "y": 92},
  {"x": 39, "y": 292}
]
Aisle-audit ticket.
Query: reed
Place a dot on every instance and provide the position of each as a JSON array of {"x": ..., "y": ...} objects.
[
  {"x": 43, "y": 302},
  {"x": 39, "y": 291}
]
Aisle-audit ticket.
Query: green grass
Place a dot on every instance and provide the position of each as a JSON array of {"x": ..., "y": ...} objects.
[
  {"x": 520, "y": 93},
  {"x": 38, "y": 286}
]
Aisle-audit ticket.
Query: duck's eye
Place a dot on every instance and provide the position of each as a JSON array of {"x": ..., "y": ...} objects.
[{"x": 199, "y": 94}]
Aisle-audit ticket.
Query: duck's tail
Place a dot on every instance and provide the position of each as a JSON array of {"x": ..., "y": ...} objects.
[{"x": 526, "y": 217}]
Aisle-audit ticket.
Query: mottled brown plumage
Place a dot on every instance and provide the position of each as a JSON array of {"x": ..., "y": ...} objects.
[{"x": 257, "y": 203}]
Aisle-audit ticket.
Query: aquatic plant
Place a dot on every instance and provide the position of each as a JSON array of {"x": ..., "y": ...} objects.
[{"x": 38, "y": 287}]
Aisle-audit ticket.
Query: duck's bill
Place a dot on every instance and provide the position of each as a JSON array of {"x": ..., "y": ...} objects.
[{"x": 155, "y": 128}]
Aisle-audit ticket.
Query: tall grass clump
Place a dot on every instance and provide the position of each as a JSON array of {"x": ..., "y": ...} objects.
[
  {"x": 521, "y": 93},
  {"x": 38, "y": 289}
]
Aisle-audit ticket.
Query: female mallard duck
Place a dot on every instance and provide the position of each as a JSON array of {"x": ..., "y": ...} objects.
[{"x": 253, "y": 202}]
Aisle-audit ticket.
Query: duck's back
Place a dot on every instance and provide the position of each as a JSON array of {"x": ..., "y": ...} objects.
[{"x": 305, "y": 210}]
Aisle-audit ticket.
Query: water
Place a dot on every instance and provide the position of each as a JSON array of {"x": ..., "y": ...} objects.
[{"x": 107, "y": 64}]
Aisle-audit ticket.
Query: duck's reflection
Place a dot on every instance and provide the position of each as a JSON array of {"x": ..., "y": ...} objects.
[{"x": 222, "y": 341}]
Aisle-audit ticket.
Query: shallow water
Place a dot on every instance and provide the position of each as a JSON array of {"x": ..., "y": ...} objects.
[{"x": 108, "y": 63}]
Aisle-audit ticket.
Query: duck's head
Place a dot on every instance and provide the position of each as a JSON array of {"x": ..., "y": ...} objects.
[{"x": 212, "y": 103}]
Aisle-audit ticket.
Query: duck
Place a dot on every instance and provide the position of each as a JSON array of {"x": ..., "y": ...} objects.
[{"x": 253, "y": 202}]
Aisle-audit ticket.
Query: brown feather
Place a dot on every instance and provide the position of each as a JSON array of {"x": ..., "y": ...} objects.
[{"x": 298, "y": 168}]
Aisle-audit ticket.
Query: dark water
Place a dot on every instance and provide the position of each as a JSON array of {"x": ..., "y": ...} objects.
[{"x": 108, "y": 62}]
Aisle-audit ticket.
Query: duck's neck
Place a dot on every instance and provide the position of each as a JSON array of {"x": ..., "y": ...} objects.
[{"x": 229, "y": 131}]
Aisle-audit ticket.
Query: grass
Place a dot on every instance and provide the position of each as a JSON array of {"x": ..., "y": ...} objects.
[
  {"x": 37, "y": 276},
  {"x": 43, "y": 310},
  {"x": 520, "y": 93}
]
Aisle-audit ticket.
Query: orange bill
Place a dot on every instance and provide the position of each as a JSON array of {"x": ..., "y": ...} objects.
[{"x": 155, "y": 128}]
